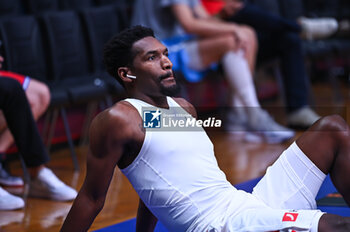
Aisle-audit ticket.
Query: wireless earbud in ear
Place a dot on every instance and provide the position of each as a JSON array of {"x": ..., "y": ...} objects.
[{"x": 131, "y": 76}]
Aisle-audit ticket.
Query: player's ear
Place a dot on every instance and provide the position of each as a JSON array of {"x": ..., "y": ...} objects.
[{"x": 123, "y": 73}]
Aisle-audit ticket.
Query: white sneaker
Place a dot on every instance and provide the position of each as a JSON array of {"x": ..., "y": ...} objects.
[
  {"x": 263, "y": 128},
  {"x": 47, "y": 185},
  {"x": 236, "y": 120},
  {"x": 9, "y": 201},
  {"x": 10, "y": 181},
  {"x": 236, "y": 123},
  {"x": 318, "y": 28},
  {"x": 302, "y": 118}
]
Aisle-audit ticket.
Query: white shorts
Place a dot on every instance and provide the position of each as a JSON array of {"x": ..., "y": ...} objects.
[{"x": 284, "y": 197}]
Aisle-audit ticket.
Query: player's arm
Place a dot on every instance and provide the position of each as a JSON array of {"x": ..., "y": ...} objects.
[
  {"x": 145, "y": 220},
  {"x": 108, "y": 133}
]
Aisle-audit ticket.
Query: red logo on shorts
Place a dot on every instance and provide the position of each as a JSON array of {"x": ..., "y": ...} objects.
[{"x": 290, "y": 217}]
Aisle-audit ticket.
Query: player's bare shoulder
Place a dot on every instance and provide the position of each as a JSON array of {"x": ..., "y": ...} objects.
[
  {"x": 116, "y": 125},
  {"x": 187, "y": 106}
]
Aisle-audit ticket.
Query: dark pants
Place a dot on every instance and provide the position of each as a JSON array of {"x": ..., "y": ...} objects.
[
  {"x": 20, "y": 121},
  {"x": 279, "y": 37}
]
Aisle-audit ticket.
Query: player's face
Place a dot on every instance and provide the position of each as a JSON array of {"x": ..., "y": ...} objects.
[{"x": 153, "y": 68}]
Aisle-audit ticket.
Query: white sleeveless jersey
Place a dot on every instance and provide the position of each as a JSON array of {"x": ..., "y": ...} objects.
[{"x": 177, "y": 177}]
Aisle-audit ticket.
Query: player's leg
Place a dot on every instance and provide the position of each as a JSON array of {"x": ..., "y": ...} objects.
[{"x": 327, "y": 145}]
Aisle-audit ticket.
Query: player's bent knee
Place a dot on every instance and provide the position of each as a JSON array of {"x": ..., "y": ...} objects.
[
  {"x": 332, "y": 123},
  {"x": 228, "y": 42}
]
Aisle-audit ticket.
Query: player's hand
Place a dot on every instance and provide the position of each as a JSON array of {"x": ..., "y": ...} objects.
[{"x": 230, "y": 8}]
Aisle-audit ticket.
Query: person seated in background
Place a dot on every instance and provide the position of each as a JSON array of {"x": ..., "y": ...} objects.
[
  {"x": 309, "y": 28},
  {"x": 280, "y": 37},
  {"x": 199, "y": 41},
  {"x": 38, "y": 95},
  {"x": 21, "y": 124}
]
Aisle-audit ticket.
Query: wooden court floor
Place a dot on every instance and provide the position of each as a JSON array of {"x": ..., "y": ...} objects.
[{"x": 240, "y": 162}]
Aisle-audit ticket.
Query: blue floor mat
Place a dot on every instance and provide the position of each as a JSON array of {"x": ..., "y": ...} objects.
[
  {"x": 128, "y": 226},
  {"x": 326, "y": 188}
]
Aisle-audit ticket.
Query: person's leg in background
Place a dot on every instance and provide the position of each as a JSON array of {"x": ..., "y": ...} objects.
[
  {"x": 251, "y": 50},
  {"x": 38, "y": 95},
  {"x": 20, "y": 121},
  {"x": 265, "y": 21},
  {"x": 237, "y": 69},
  {"x": 297, "y": 83},
  {"x": 279, "y": 37},
  {"x": 11, "y": 103},
  {"x": 262, "y": 20}
]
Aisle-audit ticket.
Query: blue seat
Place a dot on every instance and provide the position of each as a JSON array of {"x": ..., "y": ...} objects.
[
  {"x": 75, "y": 4},
  {"x": 11, "y": 8},
  {"x": 41, "y": 6},
  {"x": 69, "y": 57},
  {"x": 101, "y": 23}
]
